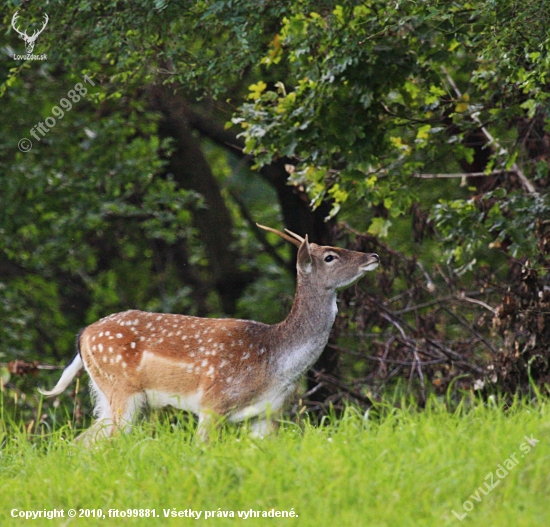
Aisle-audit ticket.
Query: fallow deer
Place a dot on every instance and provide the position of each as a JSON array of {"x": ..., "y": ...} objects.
[{"x": 236, "y": 369}]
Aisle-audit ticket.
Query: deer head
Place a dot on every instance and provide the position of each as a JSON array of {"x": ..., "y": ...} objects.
[
  {"x": 329, "y": 268},
  {"x": 29, "y": 40}
]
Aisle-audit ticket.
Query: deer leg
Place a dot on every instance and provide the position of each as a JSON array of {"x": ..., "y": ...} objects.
[
  {"x": 111, "y": 415},
  {"x": 205, "y": 424},
  {"x": 262, "y": 427},
  {"x": 209, "y": 423},
  {"x": 127, "y": 409},
  {"x": 100, "y": 429},
  {"x": 104, "y": 424}
]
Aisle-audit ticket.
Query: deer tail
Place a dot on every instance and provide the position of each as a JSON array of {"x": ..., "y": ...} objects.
[{"x": 69, "y": 373}]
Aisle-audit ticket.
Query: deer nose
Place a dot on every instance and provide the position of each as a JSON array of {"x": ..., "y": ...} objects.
[{"x": 375, "y": 256}]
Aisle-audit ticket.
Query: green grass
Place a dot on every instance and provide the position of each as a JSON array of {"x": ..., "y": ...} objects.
[{"x": 403, "y": 468}]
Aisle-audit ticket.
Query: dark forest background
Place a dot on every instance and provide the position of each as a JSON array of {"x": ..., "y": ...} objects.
[{"x": 417, "y": 130}]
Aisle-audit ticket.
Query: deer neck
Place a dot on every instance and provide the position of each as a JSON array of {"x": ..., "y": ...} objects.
[{"x": 302, "y": 336}]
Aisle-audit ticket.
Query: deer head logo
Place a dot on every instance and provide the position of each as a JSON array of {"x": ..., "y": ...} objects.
[{"x": 29, "y": 40}]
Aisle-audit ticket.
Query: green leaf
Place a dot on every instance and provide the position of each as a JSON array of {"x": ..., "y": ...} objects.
[{"x": 379, "y": 227}]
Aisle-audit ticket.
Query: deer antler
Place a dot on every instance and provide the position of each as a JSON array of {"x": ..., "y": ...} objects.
[
  {"x": 295, "y": 239},
  {"x": 297, "y": 236}
]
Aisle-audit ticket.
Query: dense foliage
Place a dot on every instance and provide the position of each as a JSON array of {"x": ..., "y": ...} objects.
[{"x": 416, "y": 129}]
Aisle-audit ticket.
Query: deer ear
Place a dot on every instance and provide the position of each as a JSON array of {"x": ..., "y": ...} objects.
[{"x": 304, "y": 257}]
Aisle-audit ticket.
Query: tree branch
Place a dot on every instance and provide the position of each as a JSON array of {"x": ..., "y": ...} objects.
[
  {"x": 527, "y": 185},
  {"x": 461, "y": 174}
]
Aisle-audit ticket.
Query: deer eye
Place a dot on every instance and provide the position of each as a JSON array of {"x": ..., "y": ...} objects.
[{"x": 329, "y": 258}]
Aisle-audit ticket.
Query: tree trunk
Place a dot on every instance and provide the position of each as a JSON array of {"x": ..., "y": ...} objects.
[{"x": 191, "y": 170}]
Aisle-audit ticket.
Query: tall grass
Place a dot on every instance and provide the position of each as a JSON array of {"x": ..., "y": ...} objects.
[{"x": 392, "y": 467}]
